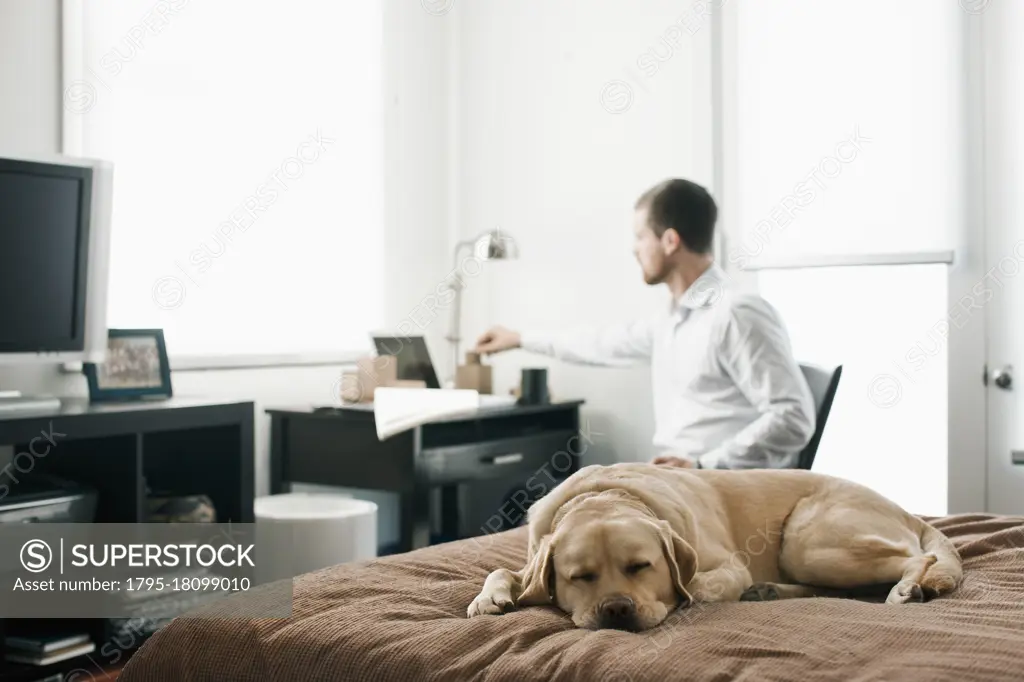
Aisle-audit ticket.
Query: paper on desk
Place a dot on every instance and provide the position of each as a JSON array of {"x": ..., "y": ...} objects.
[{"x": 400, "y": 409}]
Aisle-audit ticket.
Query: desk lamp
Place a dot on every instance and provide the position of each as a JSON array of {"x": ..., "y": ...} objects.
[{"x": 487, "y": 246}]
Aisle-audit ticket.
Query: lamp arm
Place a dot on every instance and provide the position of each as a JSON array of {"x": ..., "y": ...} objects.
[
  {"x": 456, "y": 323},
  {"x": 458, "y": 247},
  {"x": 456, "y": 286}
]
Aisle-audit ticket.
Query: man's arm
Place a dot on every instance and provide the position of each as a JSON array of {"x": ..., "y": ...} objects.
[
  {"x": 610, "y": 346},
  {"x": 756, "y": 352}
]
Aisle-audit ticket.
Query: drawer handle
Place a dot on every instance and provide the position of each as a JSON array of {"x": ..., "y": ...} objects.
[{"x": 510, "y": 458}]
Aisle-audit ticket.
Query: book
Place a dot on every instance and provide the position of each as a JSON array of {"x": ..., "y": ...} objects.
[
  {"x": 45, "y": 643},
  {"x": 41, "y": 658}
]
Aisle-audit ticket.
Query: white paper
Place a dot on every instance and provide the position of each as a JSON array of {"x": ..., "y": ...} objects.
[{"x": 400, "y": 409}]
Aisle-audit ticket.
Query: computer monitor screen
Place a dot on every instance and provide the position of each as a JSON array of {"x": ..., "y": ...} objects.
[{"x": 44, "y": 243}]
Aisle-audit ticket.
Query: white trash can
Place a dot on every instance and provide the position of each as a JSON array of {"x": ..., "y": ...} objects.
[{"x": 298, "y": 533}]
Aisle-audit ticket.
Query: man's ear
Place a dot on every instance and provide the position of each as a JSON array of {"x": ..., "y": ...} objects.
[
  {"x": 670, "y": 241},
  {"x": 536, "y": 577},
  {"x": 682, "y": 559}
]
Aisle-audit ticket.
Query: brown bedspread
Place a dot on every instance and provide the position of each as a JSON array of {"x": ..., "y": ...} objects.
[{"x": 403, "y": 618}]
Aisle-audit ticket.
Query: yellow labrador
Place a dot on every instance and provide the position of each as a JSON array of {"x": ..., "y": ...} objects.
[{"x": 622, "y": 546}]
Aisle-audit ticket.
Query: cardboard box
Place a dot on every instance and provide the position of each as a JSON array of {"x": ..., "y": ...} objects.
[
  {"x": 474, "y": 374},
  {"x": 379, "y": 370},
  {"x": 371, "y": 372}
]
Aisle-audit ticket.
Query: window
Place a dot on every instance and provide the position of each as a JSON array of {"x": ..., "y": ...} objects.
[
  {"x": 850, "y": 163},
  {"x": 247, "y": 139},
  {"x": 843, "y": 149},
  {"x": 889, "y": 327}
]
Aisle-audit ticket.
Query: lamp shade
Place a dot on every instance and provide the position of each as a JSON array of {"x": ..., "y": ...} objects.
[{"x": 495, "y": 246}]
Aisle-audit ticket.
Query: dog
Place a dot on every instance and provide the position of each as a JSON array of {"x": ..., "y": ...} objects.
[{"x": 622, "y": 546}]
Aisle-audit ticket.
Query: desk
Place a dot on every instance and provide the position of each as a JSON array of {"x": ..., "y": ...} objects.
[{"x": 340, "y": 448}]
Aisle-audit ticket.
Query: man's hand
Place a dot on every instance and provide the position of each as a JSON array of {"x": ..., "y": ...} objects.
[
  {"x": 673, "y": 461},
  {"x": 497, "y": 339}
]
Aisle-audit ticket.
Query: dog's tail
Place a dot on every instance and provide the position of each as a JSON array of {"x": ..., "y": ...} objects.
[{"x": 944, "y": 573}]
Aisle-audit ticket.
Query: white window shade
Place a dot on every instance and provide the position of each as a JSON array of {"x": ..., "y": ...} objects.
[
  {"x": 247, "y": 139},
  {"x": 889, "y": 327},
  {"x": 849, "y": 127}
]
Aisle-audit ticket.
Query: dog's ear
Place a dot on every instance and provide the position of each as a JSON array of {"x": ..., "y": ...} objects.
[
  {"x": 536, "y": 577},
  {"x": 682, "y": 559}
]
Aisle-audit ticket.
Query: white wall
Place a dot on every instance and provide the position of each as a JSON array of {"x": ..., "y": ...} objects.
[
  {"x": 564, "y": 116},
  {"x": 416, "y": 196},
  {"x": 29, "y": 76}
]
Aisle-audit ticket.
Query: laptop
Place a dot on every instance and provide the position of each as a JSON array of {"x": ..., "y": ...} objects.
[
  {"x": 411, "y": 356},
  {"x": 414, "y": 364}
]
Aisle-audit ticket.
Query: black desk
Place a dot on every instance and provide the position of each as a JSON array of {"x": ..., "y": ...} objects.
[{"x": 340, "y": 448}]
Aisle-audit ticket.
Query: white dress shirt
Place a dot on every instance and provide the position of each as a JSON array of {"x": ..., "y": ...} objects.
[{"x": 727, "y": 390}]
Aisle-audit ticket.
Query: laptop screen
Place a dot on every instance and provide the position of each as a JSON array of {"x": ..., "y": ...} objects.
[{"x": 413, "y": 360}]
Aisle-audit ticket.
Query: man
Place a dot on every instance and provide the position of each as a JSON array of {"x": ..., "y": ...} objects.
[{"x": 728, "y": 393}]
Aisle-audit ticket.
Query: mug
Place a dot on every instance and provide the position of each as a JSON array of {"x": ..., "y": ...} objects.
[{"x": 534, "y": 386}]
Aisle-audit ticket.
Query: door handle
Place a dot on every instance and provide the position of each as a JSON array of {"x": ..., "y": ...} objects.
[
  {"x": 510, "y": 458},
  {"x": 1003, "y": 377},
  {"x": 1017, "y": 456}
]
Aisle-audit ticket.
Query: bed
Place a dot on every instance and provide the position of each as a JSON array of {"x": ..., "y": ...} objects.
[{"x": 403, "y": 618}]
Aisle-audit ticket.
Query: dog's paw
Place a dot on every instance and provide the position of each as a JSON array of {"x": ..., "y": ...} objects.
[
  {"x": 760, "y": 592},
  {"x": 487, "y": 604},
  {"x": 905, "y": 592}
]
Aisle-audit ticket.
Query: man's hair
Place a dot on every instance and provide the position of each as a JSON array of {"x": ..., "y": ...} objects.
[{"x": 685, "y": 207}]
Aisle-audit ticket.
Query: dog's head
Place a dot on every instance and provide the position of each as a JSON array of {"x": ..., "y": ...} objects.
[{"x": 610, "y": 564}]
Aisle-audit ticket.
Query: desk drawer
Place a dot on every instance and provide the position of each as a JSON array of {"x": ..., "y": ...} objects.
[{"x": 499, "y": 458}]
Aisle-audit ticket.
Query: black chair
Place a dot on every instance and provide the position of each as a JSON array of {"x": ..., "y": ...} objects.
[{"x": 823, "y": 383}]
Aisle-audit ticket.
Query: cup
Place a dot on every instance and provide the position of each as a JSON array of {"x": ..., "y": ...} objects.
[{"x": 534, "y": 386}]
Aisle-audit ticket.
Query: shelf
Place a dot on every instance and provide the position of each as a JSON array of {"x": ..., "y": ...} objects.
[{"x": 180, "y": 445}]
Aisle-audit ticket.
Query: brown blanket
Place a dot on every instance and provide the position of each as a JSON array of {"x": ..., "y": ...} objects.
[{"x": 403, "y": 618}]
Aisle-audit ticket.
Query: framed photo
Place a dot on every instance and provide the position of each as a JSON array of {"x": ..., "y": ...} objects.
[{"x": 136, "y": 367}]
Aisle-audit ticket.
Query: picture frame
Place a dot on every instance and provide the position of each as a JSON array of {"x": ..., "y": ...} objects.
[{"x": 136, "y": 367}]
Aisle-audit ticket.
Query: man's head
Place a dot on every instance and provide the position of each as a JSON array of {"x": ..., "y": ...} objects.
[
  {"x": 674, "y": 223},
  {"x": 611, "y": 564}
]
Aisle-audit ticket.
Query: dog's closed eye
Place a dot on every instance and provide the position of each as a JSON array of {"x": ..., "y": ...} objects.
[
  {"x": 638, "y": 566},
  {"x": 587, "y": 577}
]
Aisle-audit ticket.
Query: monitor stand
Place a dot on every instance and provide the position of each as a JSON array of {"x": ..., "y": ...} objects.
[{"x": 14, "y": 401}]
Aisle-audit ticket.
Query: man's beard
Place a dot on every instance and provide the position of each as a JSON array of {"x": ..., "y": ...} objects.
[{"x": 659, "y": 276}]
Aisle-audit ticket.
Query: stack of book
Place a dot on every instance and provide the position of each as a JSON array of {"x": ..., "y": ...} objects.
[{"x": 46, "y": 649}]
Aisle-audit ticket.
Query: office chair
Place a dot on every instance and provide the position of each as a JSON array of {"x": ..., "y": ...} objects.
[{"x": 824, "y": 384}]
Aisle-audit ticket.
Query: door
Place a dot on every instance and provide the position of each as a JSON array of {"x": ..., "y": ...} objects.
[{"x": 1003, "y": 24}]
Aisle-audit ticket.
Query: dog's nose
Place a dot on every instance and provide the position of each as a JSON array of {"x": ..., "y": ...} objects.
[{"x": 618, "y": 613}]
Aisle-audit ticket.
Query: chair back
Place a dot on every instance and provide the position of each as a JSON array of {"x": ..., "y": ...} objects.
[{"x": 824, "y": 383}]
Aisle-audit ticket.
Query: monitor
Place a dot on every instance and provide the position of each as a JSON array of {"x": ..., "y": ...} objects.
[{"x": 54, "y": 252}]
